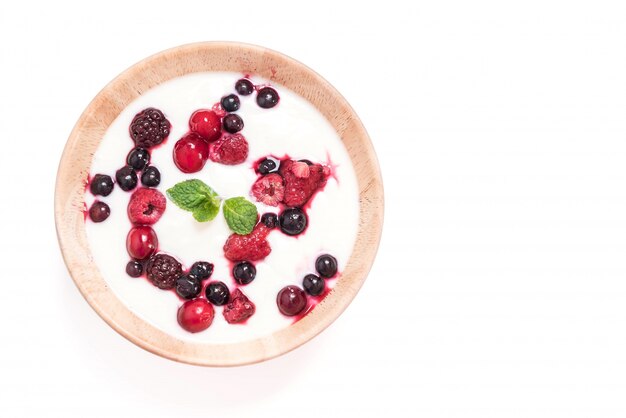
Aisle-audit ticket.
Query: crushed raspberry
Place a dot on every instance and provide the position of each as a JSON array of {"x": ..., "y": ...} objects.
[
  {"x": 298, "y": 187},
  {"x": 146, "y": 206},
  {"x": 251, "y": 247},
  {"x": 229, "y": 150},
  {"x": 269, "y": 189},
  {"x": 239, "y": 308}
]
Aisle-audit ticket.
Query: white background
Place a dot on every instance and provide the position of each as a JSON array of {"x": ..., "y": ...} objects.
[{"x": 500, "y": 285}]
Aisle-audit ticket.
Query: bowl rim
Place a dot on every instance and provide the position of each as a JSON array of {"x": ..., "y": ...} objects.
[{"x": 86, "y": 135}]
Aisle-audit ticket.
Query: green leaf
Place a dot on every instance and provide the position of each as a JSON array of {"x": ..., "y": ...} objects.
[
  {"x": 240, "y": 215},
  {"x": 207, "y": 211},
  {"x": 195, "y": 196}
]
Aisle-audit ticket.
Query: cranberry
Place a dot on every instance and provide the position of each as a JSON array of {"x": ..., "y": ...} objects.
[
  {"x": 141, "y": 242},
  {"x": 267, "y": 97},
  {"x": 196, "y": 315},
  {"x": 291, "y": 300},
  {"x": 99, "y": 212},
  {"x": 191, "y": 153},
  {"x": 206, "y": 123},
  {"x": 244, "y": 87}
]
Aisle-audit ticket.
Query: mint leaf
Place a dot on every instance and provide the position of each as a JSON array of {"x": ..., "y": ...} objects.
[
  {"x": 207, "y": 211},
  {"x": 240, "y": 215},
  {"x": 195, "y": 196}
]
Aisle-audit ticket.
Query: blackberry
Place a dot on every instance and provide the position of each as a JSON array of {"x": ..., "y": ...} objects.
[
  {"x": 163, "y": 270},
  {"x": 149, "y": 128}
]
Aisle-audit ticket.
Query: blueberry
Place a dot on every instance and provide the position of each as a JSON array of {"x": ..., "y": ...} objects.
[
  {"x": 217, "y": 293},
  {"x": 188, "y": 287},
  {"x": 138, "y": 158},
  {"x": 270, "y": 220},
  {"x": 244, "y": 272},
  {"x": 134, "y": 268},
  {"x": 201, "y": 269},
  {"x": 244, "y": 87},
  {"x": 326, "y": 265},
  {"x": 267, "y": 166},
  {"x": 232, "y": 123},
  {"x": 99, "y": 212},
  {"x": 293, "y": 221},
  {"x": 126, "y": 178},
  {"x": 267, "y": 98},
  {"x": 231, "y": 103},
  {"x": 313, "y": 285},
  {"x": 101, "y": 184},
  {"x": 151, "y": 176}
]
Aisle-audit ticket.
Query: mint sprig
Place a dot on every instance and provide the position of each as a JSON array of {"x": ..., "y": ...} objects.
[
  {"x": 240, "y": 214},
  {"x": 196, "y": 197}
]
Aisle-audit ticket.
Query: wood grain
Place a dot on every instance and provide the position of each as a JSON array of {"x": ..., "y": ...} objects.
[{"x": 106, "y": 106}]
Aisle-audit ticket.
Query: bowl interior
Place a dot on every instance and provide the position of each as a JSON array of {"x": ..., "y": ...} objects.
[{"x": 107, "y": 105}]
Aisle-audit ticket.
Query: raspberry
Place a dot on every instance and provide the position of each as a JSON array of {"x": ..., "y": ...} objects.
[
  {"x": 146, "y": 206},
  {"x": 299, "y": 187},
  {"x": 149, "y": 128},
  {"x": 163, "y": 271},
  {"x": 269, "y": 189},
  {"x": 229, "y": 150},
  {"x": 239, "y": 308},
  {"x": 251, "y": 247}
]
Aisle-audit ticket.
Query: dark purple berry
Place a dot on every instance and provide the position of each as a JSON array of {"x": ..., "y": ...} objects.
[
  {"x": 149, "y": 128},
  {"x": 151, "y": 176},
  {"x": 267, "y": 166},
  {"x": 267, "y": 97},
  {"x": 232, "y": 123},
  {"x": 163, "y": 270},
  {"x": 326, "y": 265},
  {"x": 101, "y": 184},
  {"x": 244, "y": 272},
  {"x": 134, "y": 268},
  {"x": 313, "y": 285},
  {"x": 293, "y": 221},
  {"x": 138, "y": 158},
  {"x": 244, "y": 87},
  {"x": 188, "y": 287},
  {"x": 270, "y": 220},
  {"x": 126, "y": 178},
  {"x": 291, "y": 300},
  {"x": 231, "y": 103},
  {"x": 201, "y": 269},
  {"x": 99, "y": 211},
  {"x": 217, "y": 293}
]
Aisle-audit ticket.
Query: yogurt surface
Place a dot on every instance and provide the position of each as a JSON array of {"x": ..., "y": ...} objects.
[{"x": 294, "y": 128}]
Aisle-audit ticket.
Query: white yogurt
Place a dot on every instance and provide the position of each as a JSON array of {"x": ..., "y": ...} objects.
[{"x": 294, "y": 127}]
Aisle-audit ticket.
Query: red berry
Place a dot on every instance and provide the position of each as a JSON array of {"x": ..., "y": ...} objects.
[
  {"x": 146, "y": 206},
  {"x": 229, "y": 150},
  {"x": 301, "y": 181},
  {"x": 251, "y": 247},
  {"x": 269, "y": 189},
  {"x": 141, "y": 242},
  {"x": 196, "y": 315},
  {"x": 291, "y": 300},
  {"x": 239, "y": 308},
  {"x": 190, "y": 153},
  {"x": 206, "y": 123}
]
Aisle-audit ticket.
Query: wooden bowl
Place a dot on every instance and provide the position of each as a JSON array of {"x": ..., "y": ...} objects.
[{"x": 107, "y": 105}]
